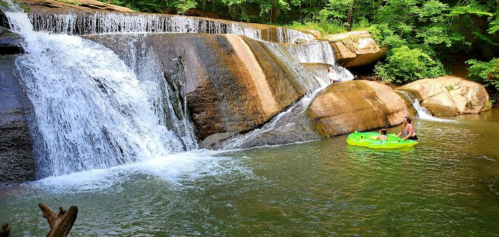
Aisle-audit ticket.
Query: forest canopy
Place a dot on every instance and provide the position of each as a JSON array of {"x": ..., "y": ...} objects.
[{"x": 420, "y": 35}]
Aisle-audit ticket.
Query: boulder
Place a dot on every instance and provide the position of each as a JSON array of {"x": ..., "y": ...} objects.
[
  {"x": 16, "y": 153},
  {"x": 449, "y": 95},
  {"x": 10, "y": 42},
  {"x": 356, "y": 48},
  {"x": 356, "y": 106}
]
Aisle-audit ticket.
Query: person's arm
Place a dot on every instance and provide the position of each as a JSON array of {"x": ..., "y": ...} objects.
[
  {"x": 411, "y": 132},
  {"x": 401, "y": 130}
]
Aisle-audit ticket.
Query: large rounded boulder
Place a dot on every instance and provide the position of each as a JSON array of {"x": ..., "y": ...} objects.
[
  {"x": 449, "y": 95},
  {"x": 356, "y": 105}
]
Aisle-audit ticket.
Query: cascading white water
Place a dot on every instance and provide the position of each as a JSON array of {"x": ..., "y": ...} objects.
[
  {"x": 289, "y": 126},
  {"x": 307, "y": 80},
  {"x": 423, "y": 113},
  {"x": 140, "y": 57},
  {"x": 90, "y": 108},
  {"x": 100, "y": 23},
  {"x": 313, "y": 52}
]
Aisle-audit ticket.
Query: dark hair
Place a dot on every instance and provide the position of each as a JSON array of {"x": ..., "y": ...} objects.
[
  {"x": 383, "y": 131},
  {"x": 408, "y": 119}
]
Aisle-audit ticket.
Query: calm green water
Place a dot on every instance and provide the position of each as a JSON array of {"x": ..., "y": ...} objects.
[{"x": 446, "y": 186}]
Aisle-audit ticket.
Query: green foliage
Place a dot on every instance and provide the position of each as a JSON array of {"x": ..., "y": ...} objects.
[
  {"x": 153, "y": 6},
  {"x": 485, "y": 72},
  {"x": 326, "y": 28},
  {"x": 70, "y": 2},
  {"x": 494, "y": 26},
  {"x": 405, "y": 65},
  {"x": 25, "y": 7},
  {"x": 449, "y": 87},
  {"x": 184, "y": 5}
]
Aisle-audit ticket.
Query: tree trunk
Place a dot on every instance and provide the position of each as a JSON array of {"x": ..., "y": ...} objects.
[
  {"x": 204, "y": 5},
  {"x": 60, "y": 224},
  {"x": 5, "y": 230},
  {"x": 110, "y": 2},
  {"x": 234, "y": 11},
  {"x": 350, "y": 13},
  {"x": 276, "y": 11}
]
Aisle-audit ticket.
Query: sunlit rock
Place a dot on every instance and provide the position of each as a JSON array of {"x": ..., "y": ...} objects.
[
  {"x": 356, "y": 48},
  {"x": 317, "y": 34},
  {"x": 53, "y": 5},
  {"x": 449, "y": 95},
  {"x": 356, "y": 106},
  {"x": 230, "y": 84}
]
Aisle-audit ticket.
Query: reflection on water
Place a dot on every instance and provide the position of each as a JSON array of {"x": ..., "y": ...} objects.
[{"x": 448, "y": 185}]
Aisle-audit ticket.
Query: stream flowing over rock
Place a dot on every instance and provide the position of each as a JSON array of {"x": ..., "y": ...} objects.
[
  {"x": 449, "y": 95},
  {"x": 229, "y": 83},
  {"x": 138, "y": 86}
]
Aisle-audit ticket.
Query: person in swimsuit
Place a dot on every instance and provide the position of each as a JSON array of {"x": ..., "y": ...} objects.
[
  {"x": 332, "y": 76},
  {"x": 407, "y": 131},
  {"x": 382, "y": 135}
]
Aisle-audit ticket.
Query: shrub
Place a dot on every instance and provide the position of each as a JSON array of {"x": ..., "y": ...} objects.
[
  {"x": 404, "y": 64},
  {"x": 486, "y": 73}
]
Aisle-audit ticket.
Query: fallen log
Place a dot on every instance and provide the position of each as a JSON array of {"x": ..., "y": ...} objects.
[
  {"x": 60, "y": 224},
  {"x": 5, "y": 230}
]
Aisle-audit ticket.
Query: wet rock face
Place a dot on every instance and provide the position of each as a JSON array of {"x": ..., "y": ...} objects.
[
  {"x": 449, "y": 96},
  {"x": 10, "y": 42},
  {"x": 356, "y": 106},
  {"x": 4, "y": 21},
  {"x": 232, "y": 84},
  {"x": 16, "y": 152}
]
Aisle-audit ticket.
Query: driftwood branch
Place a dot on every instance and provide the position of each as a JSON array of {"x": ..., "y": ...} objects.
[
  {"x": 5, "y": 230},
  {"x": 60, "y": 224}
]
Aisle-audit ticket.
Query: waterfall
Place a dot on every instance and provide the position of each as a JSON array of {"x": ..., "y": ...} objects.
[
  {"x": 101, "y": 23},
  {"x": 289, "y": 126},
  {"x": 298, "y": 57},
  {"x": 91, "y": 109},
  {"x": 423, "y": 113}
]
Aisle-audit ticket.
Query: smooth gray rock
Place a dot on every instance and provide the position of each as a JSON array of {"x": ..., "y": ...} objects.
[
  {"x": 16, "y": 150},
  {"x": 10, "y": 42}
]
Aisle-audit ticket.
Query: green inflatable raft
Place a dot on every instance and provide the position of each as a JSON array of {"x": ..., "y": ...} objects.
[{"x": 368, "y": 139}]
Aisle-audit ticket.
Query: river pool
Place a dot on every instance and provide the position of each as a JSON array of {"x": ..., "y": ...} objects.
[{"x": 448, "y": 185}]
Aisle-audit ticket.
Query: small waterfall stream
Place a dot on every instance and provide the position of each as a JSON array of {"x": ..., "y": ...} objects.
[{"x": 423, "y": 113}]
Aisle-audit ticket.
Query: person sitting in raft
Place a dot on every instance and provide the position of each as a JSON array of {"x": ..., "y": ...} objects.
[
  {"x": 332, "y": 76},
  {"x": 382, "y": 135},
  {"x": 407, "y": 130}
]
